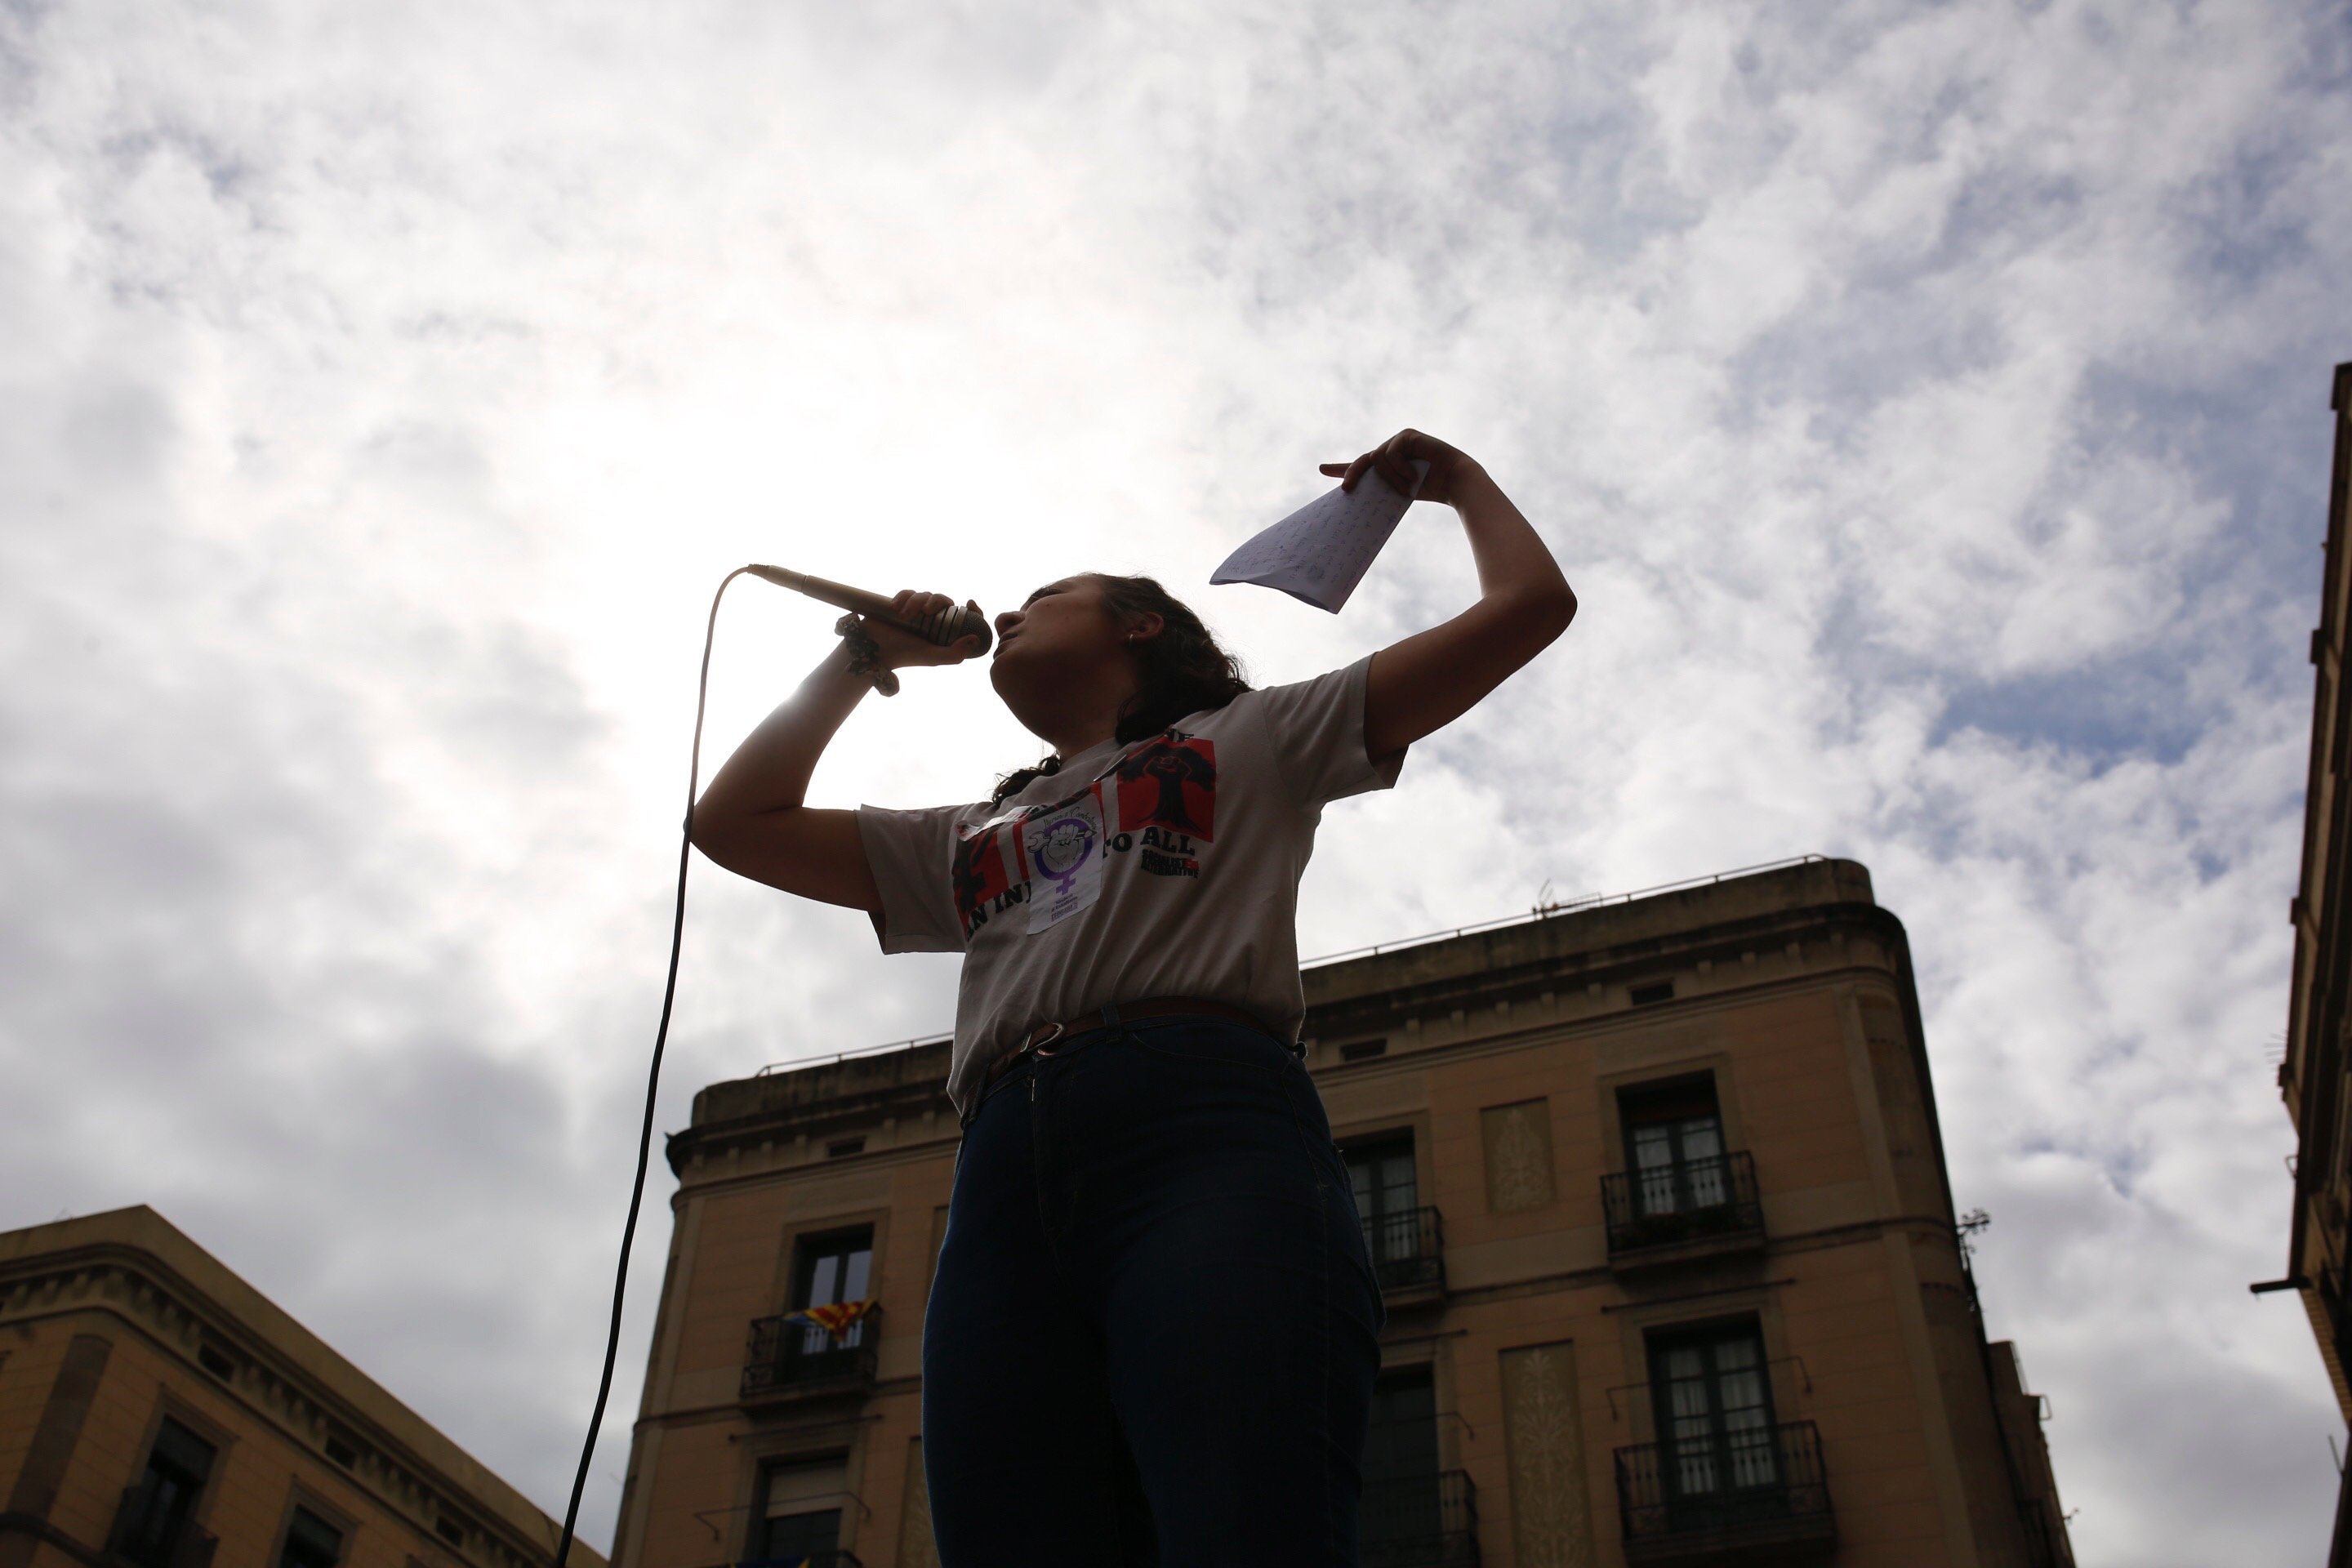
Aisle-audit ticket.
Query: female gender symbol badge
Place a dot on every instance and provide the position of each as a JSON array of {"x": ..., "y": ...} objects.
[{"x": 1065, "y": 850}]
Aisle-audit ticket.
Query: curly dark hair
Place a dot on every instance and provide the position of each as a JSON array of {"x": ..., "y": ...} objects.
[{"x": 1182, "y": 670}]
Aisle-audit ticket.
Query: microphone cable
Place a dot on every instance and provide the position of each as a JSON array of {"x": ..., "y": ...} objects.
[{"x": 653, "y": 1077}]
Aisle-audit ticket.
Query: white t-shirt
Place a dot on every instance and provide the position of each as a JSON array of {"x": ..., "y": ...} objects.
[{"x": 1167, "y": 866}]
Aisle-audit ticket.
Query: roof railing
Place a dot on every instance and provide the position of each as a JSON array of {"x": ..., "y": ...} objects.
[
  {"x": 907, "y": 1043},
  {"x": 1555, "y": 907}
]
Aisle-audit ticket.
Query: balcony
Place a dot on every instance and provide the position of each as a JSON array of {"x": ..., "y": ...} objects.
[
  {"x": 789, "y": 1360},
  {"x": 151, "y": 1531},
  {"x": 1755, "y": 1495},
  {"x": 1693, "y": 1208},
  {"x": 1408, "y": 1252},
  {"x": 1419, "y": 1521}
]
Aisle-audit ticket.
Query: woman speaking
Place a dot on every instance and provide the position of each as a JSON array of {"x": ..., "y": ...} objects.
[{"x": 1153, "y": 1329}]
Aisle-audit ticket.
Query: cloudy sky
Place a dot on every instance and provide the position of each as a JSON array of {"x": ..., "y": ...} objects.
[{"x": 1928, "y": 403}]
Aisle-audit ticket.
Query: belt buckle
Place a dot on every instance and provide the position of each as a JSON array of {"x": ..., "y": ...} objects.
[{"x": 1037, "y": 1046}]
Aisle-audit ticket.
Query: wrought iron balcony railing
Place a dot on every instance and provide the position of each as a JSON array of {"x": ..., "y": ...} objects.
[
  {"x": 1408, "y": 1249},
  {"x": 1688, "y": 1201},
  {"x": 149, "y": 1532},
  {"x": 790, "y": 1357},
  {"x": 1678, "y": 1501},
  {"x": 1427, "y": 1521}
]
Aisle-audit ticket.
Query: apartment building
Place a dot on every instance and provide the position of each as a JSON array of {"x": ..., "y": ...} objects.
[
  {"x": 158, "y": 1412},
  {"x": 1657, "y": 1193},
  {"x": 2312, "y": 1075}
]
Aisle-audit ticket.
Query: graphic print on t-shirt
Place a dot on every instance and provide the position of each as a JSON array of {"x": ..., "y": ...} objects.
[
  {"x": 1062, "y": 848},
  {"x": 1167, "y": 799},
  {"x": 980, "y": 877},
  {"x": 1162, "y": 799}
]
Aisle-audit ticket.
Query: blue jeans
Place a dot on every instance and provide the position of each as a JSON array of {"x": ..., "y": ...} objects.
[{"x": 1154, "y": 1327}]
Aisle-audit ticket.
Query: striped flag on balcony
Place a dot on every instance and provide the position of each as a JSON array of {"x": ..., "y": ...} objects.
[{"x": 834, "y": 1317}]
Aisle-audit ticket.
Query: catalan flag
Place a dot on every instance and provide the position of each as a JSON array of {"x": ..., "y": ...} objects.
[{"x": 834, "y": 1317}]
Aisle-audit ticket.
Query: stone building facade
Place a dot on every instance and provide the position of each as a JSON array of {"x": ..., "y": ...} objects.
[
  {"x": 2314, "y": 1076},
  {"x": 158, "y": 1412},
  {"x": 1656, "y": 1193}
]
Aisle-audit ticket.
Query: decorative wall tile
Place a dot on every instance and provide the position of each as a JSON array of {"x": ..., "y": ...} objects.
[
  {"x": 1517, "y": 1140},
  {"x": 915, "y": 1547},
  {"x": 1543, "y": 1435}
]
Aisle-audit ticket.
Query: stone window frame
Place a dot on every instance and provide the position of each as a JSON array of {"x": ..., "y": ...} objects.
[
  {"x": 172, "y": 1405},
  {"x": 801, "y": 1229},
  {"x": 762, "y": 1450},
  {"x": 1637, "y": 1322},
  {"x": 1718, "y": 1064},
  {"x": 1715, "y": 1328},
  {"x": 300, "y": 1494},
  {"x": 1445, "y": 1387},
  {"x": 1413, "y": 1124}
]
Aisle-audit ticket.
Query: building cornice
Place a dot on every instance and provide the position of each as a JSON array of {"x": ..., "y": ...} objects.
[{"x": 806, "y": 1107}]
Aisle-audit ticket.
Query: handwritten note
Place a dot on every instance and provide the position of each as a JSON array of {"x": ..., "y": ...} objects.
[{"x": 1319, "y": 552}]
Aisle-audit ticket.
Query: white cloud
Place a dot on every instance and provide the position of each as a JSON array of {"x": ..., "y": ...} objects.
[{"x": 1925, "y": 400}]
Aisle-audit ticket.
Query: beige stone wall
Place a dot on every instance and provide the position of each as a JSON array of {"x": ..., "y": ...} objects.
[
  {"x": 259, "y": 1472},
  {"x": 1843, "y": 1317},
  {"x": 276, "y": 1411},
  {"x": 738, "y": 1230}
]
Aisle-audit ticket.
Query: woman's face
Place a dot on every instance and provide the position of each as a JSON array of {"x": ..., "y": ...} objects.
[
  {"x": 1063, "y": 637},
  {"x": 1063, "y": 624}
]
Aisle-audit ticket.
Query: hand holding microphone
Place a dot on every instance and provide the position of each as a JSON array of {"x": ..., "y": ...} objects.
[
  {"x": 902, "y": 646},
  {"x": 908, "y": 627}
]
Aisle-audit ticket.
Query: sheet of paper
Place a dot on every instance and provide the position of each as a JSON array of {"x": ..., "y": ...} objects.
[{"x": 1319, "y": 552}]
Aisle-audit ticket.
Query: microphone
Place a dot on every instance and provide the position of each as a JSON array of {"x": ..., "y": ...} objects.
[{"x": 943, "y": 628}]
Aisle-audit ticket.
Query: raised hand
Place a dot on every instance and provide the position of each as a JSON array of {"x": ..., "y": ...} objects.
[{"x": 1392, "y": 460}]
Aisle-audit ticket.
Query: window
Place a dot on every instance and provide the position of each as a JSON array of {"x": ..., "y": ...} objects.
[
  {"x": 156, "y": 1515},
  {"x": 1673, "y": 1140},
  {"x": 800, "y": 1511},
  {"x": 1401, "y": 1439},
  {"x": 1400, "y": 1508},
  {"x": 311, "y": 1541},
  {"x": 1713, "y": 1405},
  {"x": 1386, "y": 1197},
  {"x": 833, "y": 1268}
]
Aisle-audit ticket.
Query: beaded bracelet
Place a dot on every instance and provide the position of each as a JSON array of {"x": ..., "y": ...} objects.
[{"x": 865, "y": 657}]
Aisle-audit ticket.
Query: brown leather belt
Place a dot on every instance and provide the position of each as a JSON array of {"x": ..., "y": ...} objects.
[{"x": 1042, "y": 1037}]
